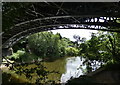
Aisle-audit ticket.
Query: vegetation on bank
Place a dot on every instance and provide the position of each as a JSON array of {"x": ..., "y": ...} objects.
[
  {"x": 43, "y": 45},
  {"x": 103, "y": 47}
]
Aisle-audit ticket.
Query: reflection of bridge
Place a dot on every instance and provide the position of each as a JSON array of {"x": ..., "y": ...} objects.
[{"x": 22, "y": 19}]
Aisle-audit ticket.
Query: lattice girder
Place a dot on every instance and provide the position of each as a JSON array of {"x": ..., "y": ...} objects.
[{"x": 50, "y": 16}]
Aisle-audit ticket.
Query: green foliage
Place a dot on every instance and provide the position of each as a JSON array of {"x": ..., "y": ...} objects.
[
  {"x": 8, "y": 79},
  {"x": 22, "y": 56},
  {"x": 71, "y": 51},
  {"x": 47, "y": 44},
  {"x": 102, "y": 47},
  {"x": 43, "y": 45},
  {"x": 30, "y": 71},
  {"x": 17, "y": 55}
]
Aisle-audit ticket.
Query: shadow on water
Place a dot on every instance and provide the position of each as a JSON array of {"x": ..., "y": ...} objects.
[{"x": 68, "y": 67}]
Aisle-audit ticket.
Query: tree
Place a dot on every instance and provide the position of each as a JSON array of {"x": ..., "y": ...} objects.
[
  {"x": 103, "y": 47},
  {"x": 47, "y": 44}
]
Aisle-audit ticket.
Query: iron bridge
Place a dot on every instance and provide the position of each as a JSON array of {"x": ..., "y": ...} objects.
[{"x": 22, "y": 19}]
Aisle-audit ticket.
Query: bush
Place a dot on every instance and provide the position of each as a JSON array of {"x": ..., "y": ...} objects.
[
  {"x": 18, "y": 55},
  {"x": 71, "y": 51}
]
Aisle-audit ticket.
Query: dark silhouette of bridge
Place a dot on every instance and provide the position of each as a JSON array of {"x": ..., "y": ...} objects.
[{"x": 22, "y": 19}]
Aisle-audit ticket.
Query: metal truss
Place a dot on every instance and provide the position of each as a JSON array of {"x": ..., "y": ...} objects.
[{"x": 50, "y": 16}]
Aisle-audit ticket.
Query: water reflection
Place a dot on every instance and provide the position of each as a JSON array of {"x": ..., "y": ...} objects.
[
  {"x": 74, "y": 68},
  {"x": 67, "y": 67}
]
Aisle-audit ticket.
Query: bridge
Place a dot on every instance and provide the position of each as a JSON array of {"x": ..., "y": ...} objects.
[{"x": 22, "y": 19}]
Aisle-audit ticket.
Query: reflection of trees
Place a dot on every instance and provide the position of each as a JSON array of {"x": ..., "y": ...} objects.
[
  {"x": 39, "y": 70},
  {"x": 43, "y": 46},
  {"x": 103, "y": 47}
]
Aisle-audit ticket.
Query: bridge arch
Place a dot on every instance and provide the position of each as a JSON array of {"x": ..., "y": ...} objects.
[{"x": 63, "y": 15}]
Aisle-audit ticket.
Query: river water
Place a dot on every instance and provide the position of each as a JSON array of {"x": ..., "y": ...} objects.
[
  {"x": 68, "y": 67},
  {"x": 74, "y": 68}
]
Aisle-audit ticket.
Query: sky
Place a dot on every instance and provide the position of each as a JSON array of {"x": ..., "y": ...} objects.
[{"x": 68, "y": 33}]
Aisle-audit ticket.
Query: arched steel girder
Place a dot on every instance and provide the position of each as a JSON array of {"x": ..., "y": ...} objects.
[
  {"x": 105, "y": 16},
  {"x": 72, "y": 19},
  {"x": 11, "y": 41},
  {"x": 99, "y": 23}
]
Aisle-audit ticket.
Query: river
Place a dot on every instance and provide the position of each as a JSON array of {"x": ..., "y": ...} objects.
[
  {"x": 67, "y": 66},
  {"x": 74, "y": 68}
]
